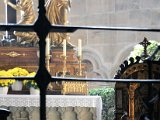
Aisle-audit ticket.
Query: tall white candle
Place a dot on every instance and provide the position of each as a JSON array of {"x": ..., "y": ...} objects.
[
  {"x": 79, "y": 47},
  {"x": 47, "y": 46},
  {"x": 64, "y": 47}
]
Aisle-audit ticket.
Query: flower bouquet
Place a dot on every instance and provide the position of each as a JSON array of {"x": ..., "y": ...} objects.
[
  {"x": 5, "y": 83},
  {"x": 31, "y": 84},
  {"x": 17, "y": 71}
]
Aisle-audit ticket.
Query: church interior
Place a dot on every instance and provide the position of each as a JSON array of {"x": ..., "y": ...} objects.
[{"x": 79, "y": 60}]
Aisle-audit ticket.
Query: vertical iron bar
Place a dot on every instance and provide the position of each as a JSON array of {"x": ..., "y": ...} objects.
[
  {"x": 42, "y": 104},
  {"x": 42, "y": 45},
  {"x": 149, "y": 62},
  {"x": 42, "y": 89}
]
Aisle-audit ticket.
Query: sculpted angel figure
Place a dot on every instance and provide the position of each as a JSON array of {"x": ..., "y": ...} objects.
[
  {"x": 57, "y": 14},
  {"x": 27, "y": 17}
]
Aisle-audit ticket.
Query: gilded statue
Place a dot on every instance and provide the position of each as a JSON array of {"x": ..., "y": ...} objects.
[
  {"x": 57, "y": 13},
  {"x": 27, "y": 17}
]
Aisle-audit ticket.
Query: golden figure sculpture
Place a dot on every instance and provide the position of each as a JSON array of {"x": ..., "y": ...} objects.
[
  {"x": 57, "y": 13},
  {"x": 27, "y": 17}
]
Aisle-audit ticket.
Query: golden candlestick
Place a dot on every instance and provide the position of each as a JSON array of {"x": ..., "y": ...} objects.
[
  {"x": 64, "y": 57},
  {"x": 80, "y": 56},
  {"x": 47, "y": 54},
  {"x": 47, "y": 62},
  {"x": 47, "y": 59},
  {"x": 80, "y": 65},
  {"x": 64, "y": 65}
]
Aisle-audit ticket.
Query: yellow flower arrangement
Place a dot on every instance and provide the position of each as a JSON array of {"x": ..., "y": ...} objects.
[
  {"x": 30, "y": 83},
  {"x": 17, "y": 71},
  {"x": 6, "y": 82}
]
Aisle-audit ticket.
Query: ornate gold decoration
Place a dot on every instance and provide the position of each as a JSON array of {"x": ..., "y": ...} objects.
[
  {"x": 131, "y": 92},
  {"x": 64, "y": 65},
  {"x": 13, "y": 54},
  {"x": 75, "y": 88},
  {"x": 80, "y": 65}
]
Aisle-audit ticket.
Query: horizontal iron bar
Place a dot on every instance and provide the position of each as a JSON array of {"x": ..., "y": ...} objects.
[
  {"x": 89, "y": 79},
  {"x": 105, "y": 80},
  {"x": 62, "y": 28},
  {"x": 16, "y": 27},
  {"x": 18, "y": 78}
]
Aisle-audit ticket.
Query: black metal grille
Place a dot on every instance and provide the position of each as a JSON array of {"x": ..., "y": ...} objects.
[{"x": 42, "y": 27}]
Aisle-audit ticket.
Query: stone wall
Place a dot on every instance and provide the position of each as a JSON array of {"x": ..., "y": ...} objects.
[{"x": 108, "y": 49}]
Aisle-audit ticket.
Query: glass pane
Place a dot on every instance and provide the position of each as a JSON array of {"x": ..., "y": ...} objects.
[{"x": 84, "y": 53}]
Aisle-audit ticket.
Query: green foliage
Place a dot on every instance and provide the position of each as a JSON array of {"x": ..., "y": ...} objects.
[
  {"x": 30, "y": 83},
  {"x": 108, "y": 98},
  {"x": 139, "y": 49}
]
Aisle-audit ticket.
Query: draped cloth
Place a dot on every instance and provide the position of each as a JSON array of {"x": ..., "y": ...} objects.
[
  {"x": 56, "y": 11},
  {"x": 27, "y": 17},
  {"x": 27, "y": 14}
]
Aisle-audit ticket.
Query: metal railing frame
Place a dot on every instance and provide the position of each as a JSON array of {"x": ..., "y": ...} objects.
[{"x": 42, "y": 27}]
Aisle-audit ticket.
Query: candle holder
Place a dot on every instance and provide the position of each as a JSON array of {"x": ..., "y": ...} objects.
[
  {"x": 47, "y": 62},
  {"x": 64, "y": 65},
  {"x": 47, "y": 59},
  {"x": 47, "y": 53},
  {"x": 80, "y": 65}
]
